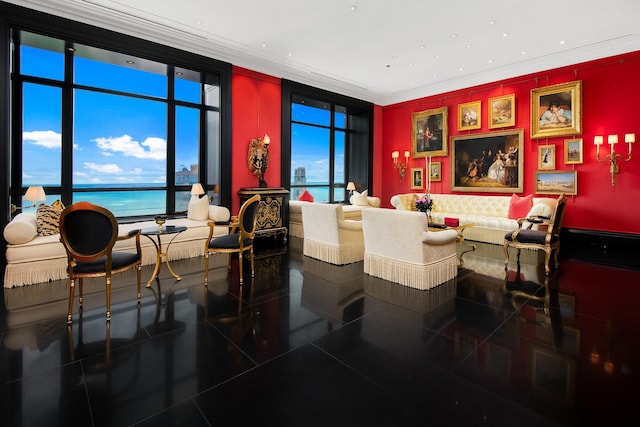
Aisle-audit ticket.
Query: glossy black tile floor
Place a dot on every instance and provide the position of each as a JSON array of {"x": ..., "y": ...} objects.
[{"x": 311, "y": 344}]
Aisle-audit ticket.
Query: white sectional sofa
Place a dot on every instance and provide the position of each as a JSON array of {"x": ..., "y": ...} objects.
[
  {"x": 490, "y": 214},
  {"x": 34, "y": 259},
  {"x": 359, "y": 201}
]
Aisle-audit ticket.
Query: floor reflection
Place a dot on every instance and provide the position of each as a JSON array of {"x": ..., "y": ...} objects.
[{"x": 306, "y": 342}]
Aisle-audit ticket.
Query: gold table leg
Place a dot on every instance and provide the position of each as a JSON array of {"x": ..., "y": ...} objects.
[{"x": 159, "y": 256}]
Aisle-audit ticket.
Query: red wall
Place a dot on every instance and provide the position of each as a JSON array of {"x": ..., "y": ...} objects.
[
  {"x": 610, "y": 96},
  {"x": 256, "y": 110}
]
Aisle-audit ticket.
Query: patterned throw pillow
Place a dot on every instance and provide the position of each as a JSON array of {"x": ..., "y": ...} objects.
[
  {"x": 409, "y": 201},
  {"x": 48, "y": 218}
]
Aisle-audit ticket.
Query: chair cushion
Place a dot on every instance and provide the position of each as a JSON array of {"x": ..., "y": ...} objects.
[
  {"x": 228, "y": 241},
  {"x": 118, "y": 260},
  {"x": 530, "y": 236},
  {"x": 519, "y": 206}
]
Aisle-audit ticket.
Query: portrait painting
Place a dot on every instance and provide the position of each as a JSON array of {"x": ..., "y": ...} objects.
[
  {"x": 488, "y": 162},
  {"x": 546, "y": 157},
  {"x": 429, "y": 133},
  {"x": 502, "y": 111},
  {"x": 556, "y": 110},
  {"x": 573, "y": 151},
  {"x": 417, "y": 180},
  {"x": 435, "y": 173},
  {"x": 469, "y": 115}
]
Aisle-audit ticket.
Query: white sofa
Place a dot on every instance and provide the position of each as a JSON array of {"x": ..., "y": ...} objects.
[
  {"x": 352, "y": 211},
  {"x": 490, "y": 214},
  {"x": 35, "y": 259},
  {"x": 330, "y": 237},
  {"x": 400, "y": 249}
]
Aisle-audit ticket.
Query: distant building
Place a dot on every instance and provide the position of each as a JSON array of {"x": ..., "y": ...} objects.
[
  {"x": 187, "y": 176},
  {"x": 299, "y": 179}
]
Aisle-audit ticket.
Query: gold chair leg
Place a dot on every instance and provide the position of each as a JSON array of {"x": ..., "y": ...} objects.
[
  {"x": 80, "y": 292},
  {"x": 206, "y": 267},
  {"x": 240, "y": 266},
  {"x": 547, "y": 257},
  {"x": 253, "y": 270},
  {"x": 72, "y": 287},
  {"x": 108, "y": 291},
  {"x": 139, "y": 272},
  {"x": 506, "y": 254}
]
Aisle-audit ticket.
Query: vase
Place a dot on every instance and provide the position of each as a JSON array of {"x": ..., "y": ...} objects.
[{"x": 429, "y": 220}]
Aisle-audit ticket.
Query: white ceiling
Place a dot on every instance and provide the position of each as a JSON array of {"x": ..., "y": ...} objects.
[{"x": 380, "y": 51}]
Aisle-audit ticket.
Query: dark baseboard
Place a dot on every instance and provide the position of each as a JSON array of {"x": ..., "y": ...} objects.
[{"x": 601, "y": 247}]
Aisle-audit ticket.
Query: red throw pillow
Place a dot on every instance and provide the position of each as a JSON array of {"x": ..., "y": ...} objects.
[
  {"x": 307, "y": 197},
  {"x": 519, "y": 207}
]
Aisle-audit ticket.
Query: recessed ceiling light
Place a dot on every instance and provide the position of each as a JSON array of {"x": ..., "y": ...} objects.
[
  {"x": 410, "y": 64},
  {"x": 422, "y": 47},
  {"x": 353, "y": 7},
  {"x": 467, "y": 45},
  {"x": 264, "y": 45},
  {"x": 290, "y": 54},
  {"x": 491, "y": 61},
  {"x": 179, "y": 73},
  {"x": 562, "y": 42},
  {"x": 524, "y": 52},
  {"x": 437, "y": 55},
  {"x": 199, "y": 22},
  {"x": 492, "y": 22},
  {"x": 130, "y": 62},
  {"x": 453, "y": 36},
  {"x": 460, "y": 69},
  {"x": 505, "y": 34}
]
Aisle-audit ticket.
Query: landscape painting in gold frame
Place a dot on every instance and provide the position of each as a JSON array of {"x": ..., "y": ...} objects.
[
  {"x": 429, "y": 133},
  {"x": 502, "y": 111},
  {"x": 573, "y": 151},
  {"x": 469, "y": 115},
  {"x": 557, "y": 182},
  {"x": 488, "y": 162},
  {"x": 556, "y": 110}
]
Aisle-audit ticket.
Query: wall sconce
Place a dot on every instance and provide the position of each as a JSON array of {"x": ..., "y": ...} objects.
[
  {"x": 612, "y": 140},
  {"x": 350, "y": 187},
  {"x": 398, "y": 165},
  {"x": 33, "y": 194}
]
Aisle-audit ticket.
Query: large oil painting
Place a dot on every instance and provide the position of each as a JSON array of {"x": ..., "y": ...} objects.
[
  {"x": 556, "y": 110},
  {"x": 429, "y": 133},
  {"x": 487, "y": 162}
]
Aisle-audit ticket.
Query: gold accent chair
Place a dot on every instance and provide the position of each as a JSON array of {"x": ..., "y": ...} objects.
[
  {"x": 89, "y": 233},
  {"x": 239, "y": 241},
  {"x": 546, "y": 238}
]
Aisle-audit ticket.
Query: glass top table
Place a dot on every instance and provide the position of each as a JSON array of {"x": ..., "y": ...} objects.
[{"x": 160, "y": 254}]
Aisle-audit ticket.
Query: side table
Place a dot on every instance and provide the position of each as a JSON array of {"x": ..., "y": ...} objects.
[{"x": 158, "y": 232}]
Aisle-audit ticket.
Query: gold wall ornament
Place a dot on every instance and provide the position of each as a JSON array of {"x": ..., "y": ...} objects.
[{"x": 258, "y": 158}]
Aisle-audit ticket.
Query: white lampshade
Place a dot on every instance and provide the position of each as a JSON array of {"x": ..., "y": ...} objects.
[
  {"x": 612, "y": 139},
  {"x": 629, "y": 138},
  {"x": 351, "y": 186},
  {"x": 197, "y": 189},
  {"x": 35, "y": 194},
  {"x": 598, "y": 139}
]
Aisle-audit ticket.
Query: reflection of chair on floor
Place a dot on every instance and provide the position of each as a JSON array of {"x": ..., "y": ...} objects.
[
  {"x": 88, "y": 233},
  {"x": 235, "y": 243},
  {"x": 524, "y": 237},
  {"x": 329, "y": 237},
  {"x": 328, "y": 289},
  {"x": 399, "y": 248}
]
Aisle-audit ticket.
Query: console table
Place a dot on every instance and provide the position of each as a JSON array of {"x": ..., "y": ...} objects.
[{"x": 272, "y": 218}]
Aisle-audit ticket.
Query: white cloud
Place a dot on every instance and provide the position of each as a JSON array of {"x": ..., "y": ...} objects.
[
  {"x": 157, "y": 147},
  {"x": 43, "y": 138},
  {"x": 105, "y": 168}
]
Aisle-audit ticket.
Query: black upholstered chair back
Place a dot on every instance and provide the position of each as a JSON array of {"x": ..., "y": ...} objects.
[
  {"x": 88, "y": 231},
  {"x": 248, "y": 216}
]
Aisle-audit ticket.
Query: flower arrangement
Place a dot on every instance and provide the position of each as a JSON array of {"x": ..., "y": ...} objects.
[{"x": 424, "y": 203}]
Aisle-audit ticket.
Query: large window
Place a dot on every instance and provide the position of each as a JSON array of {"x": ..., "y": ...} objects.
[
  {"x": 122, "y": 131},
  {"x": 327, "y": 136}
]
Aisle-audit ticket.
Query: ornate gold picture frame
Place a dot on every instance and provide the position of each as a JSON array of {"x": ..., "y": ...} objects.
[
  {"x": 436, "y": 171},
  {"x": 546, "y": 157},
  {"x": 573, "y": 153},
  {"x": 469, "y": 115},
  {"x": 557, "y": 182},
  {"x": 502, "y": 111},
  {"x": 417, "y": 179},
  {"x": 556, "y": 110},
  {"x": 429, "y": 133}
]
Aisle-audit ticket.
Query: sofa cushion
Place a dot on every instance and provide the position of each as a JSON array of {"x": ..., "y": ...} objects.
[
  {"x": 408, "y": 201},
  {"x": 306, "y": 197},
  {"x": 519, "y": 207},
  {"x": 540, "y": 209},
  {"x": 22, "y": 229},
  {"x": 219, "y": 213},
  {"x": 198, "y": 208},
  {"x": 48, "y": 218},
  {"x": 359, "y": 199}
]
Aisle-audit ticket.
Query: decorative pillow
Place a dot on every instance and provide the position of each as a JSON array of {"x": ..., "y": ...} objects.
[
  {"x": 198, "y": 208},
  {"x": 359, "y": 199},
  {"x": 219, "y": 213},
  {"x": 22, "y": 229},
  {"x": 540, "y": 209},
  {"x": 48, "y": 218},
  {"x": 306, "y": 197},
  {"x": 409, "y": 201},
  {"x": 519, "y": 207}
]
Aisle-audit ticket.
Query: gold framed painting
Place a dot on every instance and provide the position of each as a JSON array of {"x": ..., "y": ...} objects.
[
  {"x": 573, "y": 151},
  {"x": 488, "y": 162},
  {"x": 502, "y": 111},
  {"x": 417, "y": 179},
  {"x": 429, "y": 133},
  {"x": 435, "y": 173},
  {"x": 546, "y": 157},
  {"x": 556, "y": 110},
  {"x": 557, "y": 182},
  {"x": 469, "y": 115}
]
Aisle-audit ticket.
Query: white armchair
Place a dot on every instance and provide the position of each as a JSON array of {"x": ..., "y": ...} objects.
[
  {"x": 399, "y": 248},
  {"x": 329, "y": 237}
]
